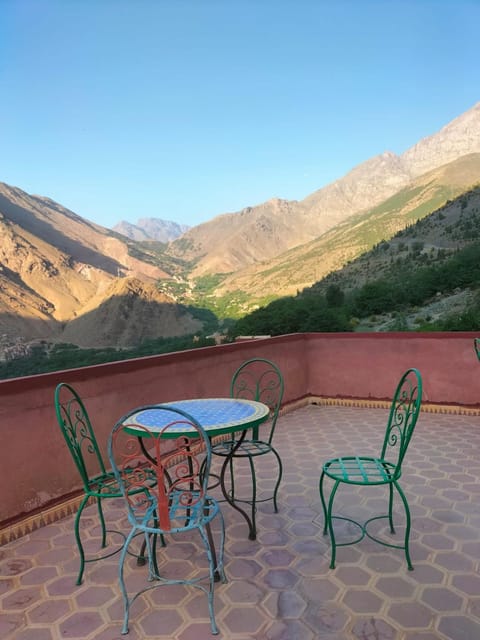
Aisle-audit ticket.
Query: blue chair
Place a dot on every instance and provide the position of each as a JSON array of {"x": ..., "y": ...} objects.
[{"x": 168, "y": 474}]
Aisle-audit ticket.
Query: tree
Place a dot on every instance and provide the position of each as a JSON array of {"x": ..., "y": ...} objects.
[{"x": 335, "y": 296}]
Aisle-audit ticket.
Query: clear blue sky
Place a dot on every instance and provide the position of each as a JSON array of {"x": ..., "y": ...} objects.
[{"x": 185, "y": 109}]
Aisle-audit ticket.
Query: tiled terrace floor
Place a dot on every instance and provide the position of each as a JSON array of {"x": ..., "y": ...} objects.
[{"x": 280, "y": 586}]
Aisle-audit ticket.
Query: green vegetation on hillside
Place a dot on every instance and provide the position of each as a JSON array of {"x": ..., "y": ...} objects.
[
  {"x": 153, "y": 252},
  {"x": 45, "y": 358},
  {"x": 202, "y": 293},
  {"x": 404, "y": 288},
  {"x": 293, "y": 315}
]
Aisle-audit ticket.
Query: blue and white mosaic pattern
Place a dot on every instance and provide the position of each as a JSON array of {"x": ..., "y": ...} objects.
[{"x": 213, "y": 414}]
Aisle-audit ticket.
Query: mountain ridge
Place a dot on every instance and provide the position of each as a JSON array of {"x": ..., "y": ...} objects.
[
  {"x": 233, "y": 241},
  {"x": 59, "y": 271},
  {"x": 56, "y": 266}
]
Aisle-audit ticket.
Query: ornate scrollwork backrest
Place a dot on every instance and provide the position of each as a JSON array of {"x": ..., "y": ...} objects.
[
  {"x": 155, "y": 469},
  {"x": 261, "y": 380},
  {"x": 403, "y": 417},
  {"x": 78, "y": 432}
]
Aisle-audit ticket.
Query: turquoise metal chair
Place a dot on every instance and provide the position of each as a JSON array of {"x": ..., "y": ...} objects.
[
  {"x": 372, "y": 471},
  {"x": 476, "y": 344},
  {"x": 164, "y": 478},
  {"x": 98, "y": 483},
  {"x": 261, "y": 380}
]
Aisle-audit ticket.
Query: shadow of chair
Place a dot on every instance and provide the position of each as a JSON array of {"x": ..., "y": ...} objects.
[
  {"x": 165, "y": 492},
  {"x": 385, "y": 470},
  {"x": 261, "y": 380},
  {"x": 98, "y": 483}
]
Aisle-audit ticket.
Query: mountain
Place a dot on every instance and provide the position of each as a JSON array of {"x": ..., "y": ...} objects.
[
  {"x": 55, "y": 267},
  {"x": 132, "y": 311},
  {"x": 305, "y": 264},
  {"x": 426, "y": 277},
  {"x": 151, "y": 229},
  {"x": 65, "y": 279},
  {"x": 233, "y": 241},
  {"x": 432, "y": 239}
]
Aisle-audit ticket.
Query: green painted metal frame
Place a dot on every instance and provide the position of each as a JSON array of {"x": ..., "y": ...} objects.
[
  {"x": 99, "y": 484},
  {"x": 174, "y": 495},
  {"x": 384, "y": 470},
  {"x": 261, "y": 380}
]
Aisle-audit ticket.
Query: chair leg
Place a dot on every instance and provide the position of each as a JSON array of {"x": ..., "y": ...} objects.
[
  {"x": 221, "y": 549},
  {"x": 212, "y": 568},
  {"x": 330, "y": 524},
  {"x": 324, "y": 506},
  {"x": 407, "y": 526},
  {"x": 123, "y": 588},
  {"x": 390, "y": 508},
  {"x": 217, "y": 555},
  {"x": 81, "y": 552},
  {"x": 253, "y": 529},
  {"x": 279, "y": 479},
  {"x": 152, "y": 556},
  {"x": 102, "y": 522},
  {"x": 211, "y": 544}
]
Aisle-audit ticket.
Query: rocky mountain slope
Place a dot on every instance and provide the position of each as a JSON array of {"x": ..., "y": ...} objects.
[
  {"x": 151, "y": 229},
  {"x": 305, "y": 264},
  {"x": 65, "y": 279},
  {"x": 433, "y": 240},
  {"x": 233, "y": 241},
  {"x": 131, "y": 311},
  {"x": 55, "y": 266}
]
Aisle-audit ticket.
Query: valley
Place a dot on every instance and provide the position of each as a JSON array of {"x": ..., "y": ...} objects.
[{"x": 66, "y": 280}]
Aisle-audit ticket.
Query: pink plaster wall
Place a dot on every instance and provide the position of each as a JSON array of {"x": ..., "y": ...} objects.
[
  {"x": 37, "y": 468},
  {"x": 368, "y": 365}
]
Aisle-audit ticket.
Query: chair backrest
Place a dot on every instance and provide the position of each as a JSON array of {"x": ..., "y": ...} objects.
[
  {"x": 158, "y": 469},
  {"x": 260, "y": 379},
  {"x": 78, "y": 433},
  {"x": 403, "y": 417}
]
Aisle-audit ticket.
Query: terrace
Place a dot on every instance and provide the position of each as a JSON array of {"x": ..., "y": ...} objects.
[{"x": 280, "y": 585}]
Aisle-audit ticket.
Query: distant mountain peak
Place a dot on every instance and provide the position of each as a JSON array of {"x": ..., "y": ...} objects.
[{"x": 151, "y": 229}]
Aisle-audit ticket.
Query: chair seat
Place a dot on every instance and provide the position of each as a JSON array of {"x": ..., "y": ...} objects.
[
  {"x": 361, "y": 470},
  {"x": 104, "y": 486},
  {"x": 183, "y": 515},
  {"x": 248, "y": 448}
]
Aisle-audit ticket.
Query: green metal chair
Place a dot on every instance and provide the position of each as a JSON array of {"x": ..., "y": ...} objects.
[
  {"x": 261, "y": 380},
  {"x": 98, "y": 483},
  {"x": 166, "y": 492},
  {"x": 384, "y": 470}
]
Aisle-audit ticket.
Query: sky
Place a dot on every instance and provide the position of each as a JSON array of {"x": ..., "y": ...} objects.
[{"x": 187, "y": 109}]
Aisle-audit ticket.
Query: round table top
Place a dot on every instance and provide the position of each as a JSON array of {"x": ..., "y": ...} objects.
[{"x": 215, "y": 415}]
